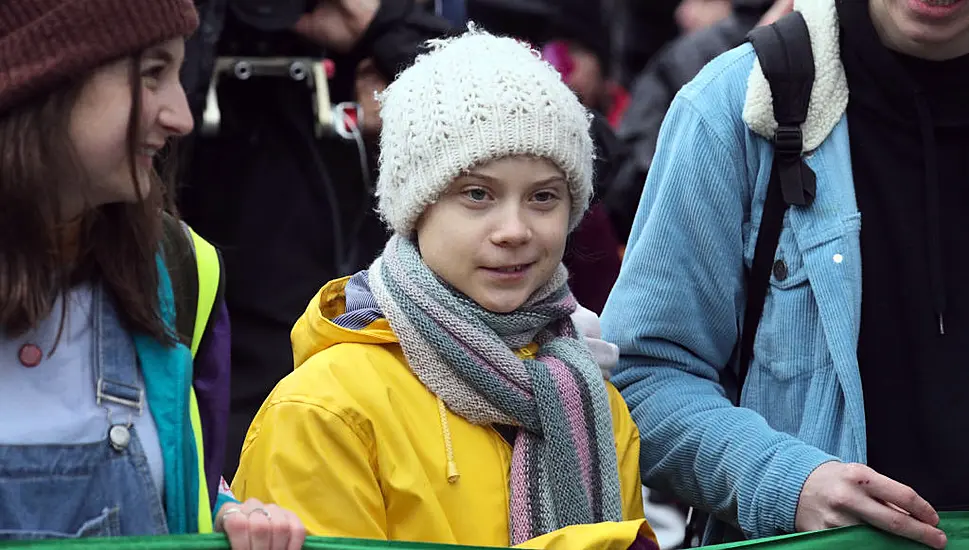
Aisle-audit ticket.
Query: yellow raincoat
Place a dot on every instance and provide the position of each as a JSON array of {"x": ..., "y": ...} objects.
[{"x": 354, "y": 444}]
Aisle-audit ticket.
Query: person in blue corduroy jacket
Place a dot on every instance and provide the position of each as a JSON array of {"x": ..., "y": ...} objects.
[{"x": 853, "y": 409}]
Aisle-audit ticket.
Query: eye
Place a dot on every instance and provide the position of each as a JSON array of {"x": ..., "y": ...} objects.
[
  {"x": 153, "y": 72},
  {"x": 545, "y": 196},
  {"x": 476, "y": 194}
]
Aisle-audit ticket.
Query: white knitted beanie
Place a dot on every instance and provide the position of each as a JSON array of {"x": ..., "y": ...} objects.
[{"x": 469, "y": 100}]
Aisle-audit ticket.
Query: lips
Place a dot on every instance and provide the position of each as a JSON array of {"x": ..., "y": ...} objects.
[
  {"x": 149, "y": 150},
  {"x": 146, "y": 154},
  {"x": 935, "y": 8},
  {"x": 510, "y": 269},
  {"x": 508, "y": 274}
]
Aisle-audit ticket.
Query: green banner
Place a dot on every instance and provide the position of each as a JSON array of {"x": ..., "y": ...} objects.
[{"x": 955, "y": 525}]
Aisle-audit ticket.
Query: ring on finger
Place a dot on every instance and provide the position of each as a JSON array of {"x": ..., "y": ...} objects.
[
  {"x": 227, "y": 513},
  {"x": 262, "y": 511}
]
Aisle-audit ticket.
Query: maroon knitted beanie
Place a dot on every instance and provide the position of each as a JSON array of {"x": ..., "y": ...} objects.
[{"x": 44, "y": 43}]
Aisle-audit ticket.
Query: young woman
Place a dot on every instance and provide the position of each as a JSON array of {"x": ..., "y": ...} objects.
[
  {"x": 444, "y": 395},
  {"x": 109, "y": 429}
]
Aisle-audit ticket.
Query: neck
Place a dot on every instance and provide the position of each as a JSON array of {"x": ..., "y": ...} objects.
[
  {"x": 894, "y": 39},
  {"x": 68, "y": 240}
]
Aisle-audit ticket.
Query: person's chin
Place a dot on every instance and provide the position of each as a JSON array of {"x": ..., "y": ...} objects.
[
  {"x": 132, "y": 197},
  {"x": 126, "y": 197},
  {"x": 501, "y": 301},
  {"x": 144, "y": 189}
]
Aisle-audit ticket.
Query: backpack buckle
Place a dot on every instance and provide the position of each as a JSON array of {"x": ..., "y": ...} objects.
[
  {"x": 798, "y": 181},
  {"x": 789, "y": 140}
]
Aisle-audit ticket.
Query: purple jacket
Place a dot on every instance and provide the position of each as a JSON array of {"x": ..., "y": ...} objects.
[{"x": 211, "y": 382}]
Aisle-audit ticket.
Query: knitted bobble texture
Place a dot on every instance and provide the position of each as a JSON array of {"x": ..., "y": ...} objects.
[{"x": 469, "y": 100}]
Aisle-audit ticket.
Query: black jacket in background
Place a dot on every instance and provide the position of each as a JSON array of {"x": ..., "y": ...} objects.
[
  {"x": 289, "y": 212},
  {"x": 651, "y": 95}
]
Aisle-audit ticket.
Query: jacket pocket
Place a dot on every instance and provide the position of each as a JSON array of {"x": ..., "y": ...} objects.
[
  {"x": 789, "y": 340},
  {"x": 789, "y": 313}
]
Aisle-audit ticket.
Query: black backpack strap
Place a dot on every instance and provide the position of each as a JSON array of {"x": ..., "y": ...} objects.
[
  {"x": 179, "y": 257},
  {"x": 784, "y": 51}
]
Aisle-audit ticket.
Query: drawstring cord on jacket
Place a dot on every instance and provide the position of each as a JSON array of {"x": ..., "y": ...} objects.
[
  {"x": 933, "y": 229},
  {"x": 452, "y": 467}
]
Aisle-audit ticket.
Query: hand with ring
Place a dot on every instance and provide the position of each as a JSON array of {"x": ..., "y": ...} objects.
[{"x": 253, "y": 525}]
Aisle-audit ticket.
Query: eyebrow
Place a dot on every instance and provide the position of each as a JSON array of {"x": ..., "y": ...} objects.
[
  {"x": 160, "y": 55},
  {"x": 546, "y": 181}
]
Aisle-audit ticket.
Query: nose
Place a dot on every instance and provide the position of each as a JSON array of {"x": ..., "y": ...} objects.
[
  {"x": 512, "y": 228},
  {"x": 175, "y": 116}
]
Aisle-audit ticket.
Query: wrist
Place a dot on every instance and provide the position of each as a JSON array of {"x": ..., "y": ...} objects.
[{"x": 790, "y": 468}]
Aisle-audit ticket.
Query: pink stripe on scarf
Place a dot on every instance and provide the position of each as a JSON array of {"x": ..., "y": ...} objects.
[
  {"x": 572, "y": 402},
  {"x": 521, "y": 506}
]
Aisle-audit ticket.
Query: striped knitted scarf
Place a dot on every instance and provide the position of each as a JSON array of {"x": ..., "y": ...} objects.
[{"x": 564, "y": 468}]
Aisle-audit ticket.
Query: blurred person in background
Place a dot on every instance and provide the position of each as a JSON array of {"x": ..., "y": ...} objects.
[
  {"x": 695, "y": 15},
  {"x": 653, "y": 92},
  {"x": 578, "y": 45}
]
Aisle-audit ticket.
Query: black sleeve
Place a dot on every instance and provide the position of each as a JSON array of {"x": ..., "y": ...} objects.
[{"x": 396, "y": 34}]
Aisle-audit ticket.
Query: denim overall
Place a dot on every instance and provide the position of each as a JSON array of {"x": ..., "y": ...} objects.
[{"x": 102, "y": 489}]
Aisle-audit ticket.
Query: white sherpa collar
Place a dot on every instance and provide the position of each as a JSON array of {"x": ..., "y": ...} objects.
[{"x": 829, "y": 97}]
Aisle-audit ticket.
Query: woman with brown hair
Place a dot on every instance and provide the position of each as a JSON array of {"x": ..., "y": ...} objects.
[{"x": 122, "y": 421}]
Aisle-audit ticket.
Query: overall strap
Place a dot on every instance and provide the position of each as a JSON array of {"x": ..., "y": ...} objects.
[{"x": 115, "y": 360}]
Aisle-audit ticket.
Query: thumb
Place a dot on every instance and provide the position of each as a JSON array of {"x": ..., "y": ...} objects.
[
  {"x": 306, "y": 25},
  {"x": 778, "y": 10}
]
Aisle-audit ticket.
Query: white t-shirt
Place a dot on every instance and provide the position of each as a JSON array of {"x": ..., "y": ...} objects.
[{"x": 54, "y": 402}]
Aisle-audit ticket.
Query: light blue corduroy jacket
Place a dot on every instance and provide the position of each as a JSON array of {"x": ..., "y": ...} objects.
[{"x": 677, "y": 308}]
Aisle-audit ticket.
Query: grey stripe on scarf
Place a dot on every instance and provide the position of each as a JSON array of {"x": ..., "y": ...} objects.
[{"x": 564, "y": 465}]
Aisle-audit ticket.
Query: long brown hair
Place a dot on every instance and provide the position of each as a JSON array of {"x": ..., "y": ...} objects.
[{"x": 116, "y": 244}]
